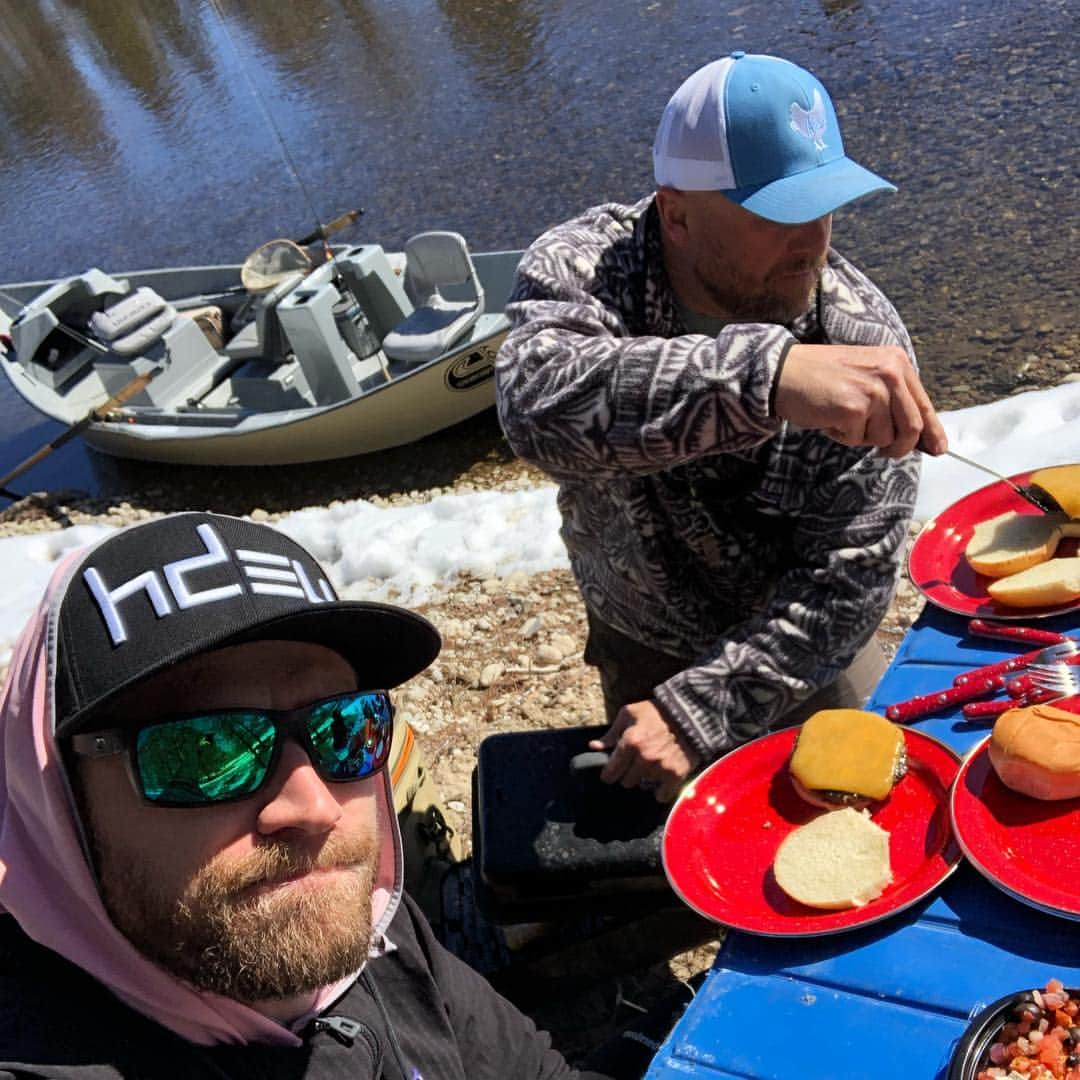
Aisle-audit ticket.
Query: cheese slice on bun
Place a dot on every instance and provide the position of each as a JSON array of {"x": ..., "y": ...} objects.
[
  {"x": 1063, "y": 482},
  {"x": 847, "y": 757},
  {"x": 1036, "y": 751}
]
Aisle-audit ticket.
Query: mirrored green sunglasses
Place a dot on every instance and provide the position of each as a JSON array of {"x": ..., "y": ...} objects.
[{"x": 217, "y": 756}]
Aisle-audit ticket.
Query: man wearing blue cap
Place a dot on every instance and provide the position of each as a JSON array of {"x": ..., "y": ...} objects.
[{"x": 730, "y": 409}]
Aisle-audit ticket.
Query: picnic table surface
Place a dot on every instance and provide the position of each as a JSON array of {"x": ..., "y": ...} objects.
[{"x": 889, "y": 999}]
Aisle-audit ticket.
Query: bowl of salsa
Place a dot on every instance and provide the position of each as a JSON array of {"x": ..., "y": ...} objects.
[{"x": 1027, "y": 1035}]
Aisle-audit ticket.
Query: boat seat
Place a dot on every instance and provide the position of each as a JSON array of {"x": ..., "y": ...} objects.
[
  {"x": 142, "y": 329},
  {"x": 262, "y": 337},
  {"x": 134, "y": 324},
  {"x": 434, "y": 261}
]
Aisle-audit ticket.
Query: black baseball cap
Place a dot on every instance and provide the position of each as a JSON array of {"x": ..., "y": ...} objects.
[{"x": 156, "y": 593}]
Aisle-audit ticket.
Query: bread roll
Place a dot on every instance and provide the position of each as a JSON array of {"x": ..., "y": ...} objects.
[
  {"x": 1012, "y": 542},
  {"x": 847, "y": 757},
  {"x": 1063, "y": 482},
  {"x": 838, "y": 860},
  {"x": 1036, "y": 751},
  {"x": 1056, "y": 581}
]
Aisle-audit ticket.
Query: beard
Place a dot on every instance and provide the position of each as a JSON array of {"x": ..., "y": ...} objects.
[
  {"x": 227, "y": 935},
  {"x": 769, "y": 301}
]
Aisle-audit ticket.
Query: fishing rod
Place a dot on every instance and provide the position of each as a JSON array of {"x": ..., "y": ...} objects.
[
  {"x": 321, "y": 232},
  {"x": 100, "y": 412}
]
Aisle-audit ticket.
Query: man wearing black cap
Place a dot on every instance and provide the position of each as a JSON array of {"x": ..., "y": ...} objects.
[
  {"x": 730, "y": 409},
  {"x": 200, "y": 866}
]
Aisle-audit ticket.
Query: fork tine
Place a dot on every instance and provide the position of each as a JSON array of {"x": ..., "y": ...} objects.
[
  {"x": 1058, "y": 666},
  {"x": 1058, "y": 651},
  {"x": 1066, "y": 671},
  {"x": 1055, "y": 683}
]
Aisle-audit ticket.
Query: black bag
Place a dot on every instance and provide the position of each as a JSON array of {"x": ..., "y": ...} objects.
[{"x": 551, "y": 843}]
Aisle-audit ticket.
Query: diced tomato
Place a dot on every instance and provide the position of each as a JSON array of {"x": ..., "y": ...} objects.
[
  {"x": 1050, "y": 1047},
  {"x": 1054, "y": 985},
  {"x": 1050, "y": 1052}
]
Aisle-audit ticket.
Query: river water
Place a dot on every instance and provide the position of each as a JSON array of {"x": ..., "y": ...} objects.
[{"x": 140, "y": 133}]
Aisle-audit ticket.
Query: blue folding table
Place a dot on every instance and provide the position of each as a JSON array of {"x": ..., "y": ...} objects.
[{"x": 890, "y": 999}]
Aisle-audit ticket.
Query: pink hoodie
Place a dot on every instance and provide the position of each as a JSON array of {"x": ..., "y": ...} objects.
[{"x": 47, "y": 884}]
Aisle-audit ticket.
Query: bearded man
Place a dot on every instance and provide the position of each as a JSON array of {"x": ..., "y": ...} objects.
[
  {"x": 730, "y": 409},
  {"x": 200, "y": 865}
]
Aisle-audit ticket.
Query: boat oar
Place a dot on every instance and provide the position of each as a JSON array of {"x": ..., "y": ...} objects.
[{"x": 99, "y": 412}]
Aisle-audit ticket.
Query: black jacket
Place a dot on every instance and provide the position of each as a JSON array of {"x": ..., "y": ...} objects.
[{"x": 417, "y": 1013}]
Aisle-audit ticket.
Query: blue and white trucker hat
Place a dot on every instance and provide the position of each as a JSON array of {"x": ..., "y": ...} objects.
[{"x": 762, "y": 131}]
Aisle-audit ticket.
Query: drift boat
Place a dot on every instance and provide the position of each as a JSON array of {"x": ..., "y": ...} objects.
[{"x": 368, "y": 350}]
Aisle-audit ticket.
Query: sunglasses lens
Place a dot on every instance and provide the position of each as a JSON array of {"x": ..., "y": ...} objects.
[
  {"x": 350, "y": 735},
  {"x": 204, "y": 759}
]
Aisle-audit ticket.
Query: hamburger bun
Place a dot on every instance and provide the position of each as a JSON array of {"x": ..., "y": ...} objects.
[
  {"x": 1012, "y": 542},
  {"x": 1056, "y": 581},
  {"x": 847, "y": 757},
  {"x": 1063, "y": 482},
  {"x": 838, "y": 860},
  {"x": 1036, "y": 751}
]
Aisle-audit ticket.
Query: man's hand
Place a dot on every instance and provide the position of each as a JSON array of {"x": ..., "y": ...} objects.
[
  {"x": 859, "y": 395},
  {"x": 646, "y": 748}
]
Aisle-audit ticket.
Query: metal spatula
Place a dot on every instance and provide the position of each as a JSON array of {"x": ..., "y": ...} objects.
[{"x": 1032, "y": 493}]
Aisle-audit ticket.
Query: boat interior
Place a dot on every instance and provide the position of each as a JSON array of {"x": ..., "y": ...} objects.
[{"x": 348, "y": 327}]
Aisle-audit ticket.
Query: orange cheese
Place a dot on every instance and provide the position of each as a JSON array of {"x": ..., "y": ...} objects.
[
  {"x": 1063, "y": 482},
  {"x": 848, "y": 750}
]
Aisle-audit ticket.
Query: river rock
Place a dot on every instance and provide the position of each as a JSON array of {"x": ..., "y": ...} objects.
[{"x": 489, "y": 674}]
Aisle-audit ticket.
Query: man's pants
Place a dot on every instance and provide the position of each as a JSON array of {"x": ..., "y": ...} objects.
[{"x": 630, "y": 670}]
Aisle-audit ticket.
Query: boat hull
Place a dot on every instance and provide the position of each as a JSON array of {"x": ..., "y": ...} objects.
[{"x": 402, "y": 412}]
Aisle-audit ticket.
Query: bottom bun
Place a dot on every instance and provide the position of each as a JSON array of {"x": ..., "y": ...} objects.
[
  {"x": 820, "y": 798},
  {"x": 838, "y": 860}
]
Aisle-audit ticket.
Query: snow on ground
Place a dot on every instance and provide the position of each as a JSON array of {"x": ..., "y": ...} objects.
[{"x": 403, "y": 553}]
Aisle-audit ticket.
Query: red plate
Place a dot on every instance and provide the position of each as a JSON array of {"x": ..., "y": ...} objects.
[
  {"x": 939, "y": 570},
  {"x": 1027, "y": 847},
  {"x": 722, "y": 834}
]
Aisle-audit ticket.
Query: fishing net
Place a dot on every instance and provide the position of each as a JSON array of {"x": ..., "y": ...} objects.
[{"x": 270, "y": 264}]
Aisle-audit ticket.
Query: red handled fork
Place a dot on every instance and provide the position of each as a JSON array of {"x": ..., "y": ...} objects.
[
  {"x": 1043, "y": 681},
  {"x": 1060, "y": 678},
  {"x": 979, "y": 683}
]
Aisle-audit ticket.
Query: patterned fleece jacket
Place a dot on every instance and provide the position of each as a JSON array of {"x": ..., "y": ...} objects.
[{"x": 696, "y": 521}]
